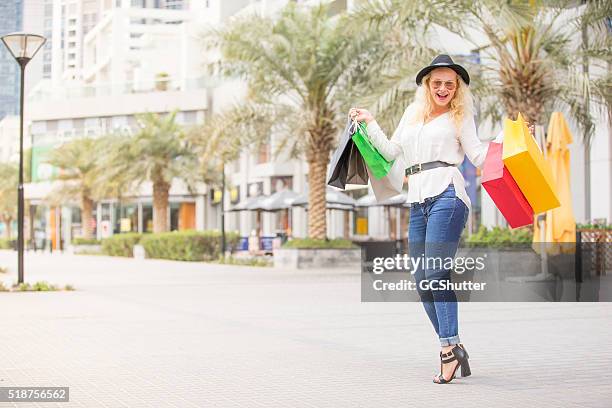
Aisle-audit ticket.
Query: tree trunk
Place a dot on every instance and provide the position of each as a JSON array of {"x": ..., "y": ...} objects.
[
  {"x": 86, "y": 216},
  {"x": 317, "y": 172},
  {"x": 7, "y": 221},
  {"x": 347, "y": 228},
  {"x": 321, "y": 135},
  {"x": 160, "y": 206}
]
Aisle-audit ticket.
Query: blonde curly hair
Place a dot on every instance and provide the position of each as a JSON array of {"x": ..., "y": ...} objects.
[{"x": 461, "y": 106}]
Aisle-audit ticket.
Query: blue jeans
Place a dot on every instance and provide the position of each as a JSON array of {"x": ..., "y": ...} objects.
[{"x": 434, "y": 231}]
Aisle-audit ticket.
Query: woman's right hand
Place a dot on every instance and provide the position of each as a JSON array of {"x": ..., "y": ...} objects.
[{"x": 361, "y": 115}]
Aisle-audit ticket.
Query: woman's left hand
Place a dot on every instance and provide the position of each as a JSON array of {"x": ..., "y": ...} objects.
[
  {"x": 361, "y": 115},
  {"x": 531, "y": 128}
]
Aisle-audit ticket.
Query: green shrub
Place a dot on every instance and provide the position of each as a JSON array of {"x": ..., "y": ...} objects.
[
  {"x": 309, "y": 243},
  {"x": 186, "y": 245},
  {"x": 86, "y": 241},
  {"x": 6, "y": 243},
  {"x": 3, "y": 288},
  {"x": 40, "y": 286},
  {"x": 22, "y": 287},
  {"x": 43, "y": 286},
  {"x": 500, "y": 237},
  {"x": 120, "y": 244},
  {"x": 594, "y": 226}
]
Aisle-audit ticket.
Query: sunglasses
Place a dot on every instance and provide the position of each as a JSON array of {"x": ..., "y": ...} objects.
[{"x": 450, "y": 85}]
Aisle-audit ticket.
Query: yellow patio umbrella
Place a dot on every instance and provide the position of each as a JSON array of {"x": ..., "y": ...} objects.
[{"x": 560, "y": 224}]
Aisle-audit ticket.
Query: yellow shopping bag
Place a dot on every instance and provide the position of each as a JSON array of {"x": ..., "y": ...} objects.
[{"x": 525, "y": 161}]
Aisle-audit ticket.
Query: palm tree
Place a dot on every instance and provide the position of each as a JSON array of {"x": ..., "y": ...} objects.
[
  {"x": 81, "y": 167},
  {"x": 157, "y": 152},
  {"x": 303, "y": 70},
  {"x": 595, "y": 25},
  {"x": 8, "y": 195},
  {"x": 527, "y": 43}
]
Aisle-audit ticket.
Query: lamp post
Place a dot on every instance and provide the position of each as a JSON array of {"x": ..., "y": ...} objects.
[{"x": 23, "y": 47}]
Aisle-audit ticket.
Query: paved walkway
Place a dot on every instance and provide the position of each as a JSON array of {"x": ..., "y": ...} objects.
[{"x": 170, "y": 334}]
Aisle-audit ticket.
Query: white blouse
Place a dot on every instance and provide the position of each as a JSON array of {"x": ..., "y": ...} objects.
[{"x": 416, "y": 142}]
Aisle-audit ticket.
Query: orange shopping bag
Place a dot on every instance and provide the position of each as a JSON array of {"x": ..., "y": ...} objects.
[{"x": 525, "y": 161}]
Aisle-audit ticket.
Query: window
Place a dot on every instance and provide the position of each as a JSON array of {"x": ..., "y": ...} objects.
[
  {"x": 189, "y": 117},
  {"x": 174, "y": 216},
  {"x": 360, "y": 220},
  {"x": 126, "y": 218},
  {"x": 147, "y": 218},
  {"x": 118, "y": 121}
]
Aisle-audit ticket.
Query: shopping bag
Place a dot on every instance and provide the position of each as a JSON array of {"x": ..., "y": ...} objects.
[
  {"x": 525, "y": 161},
  {"x": 391, "y": 184},
  {"x": 503, "y": 190},
  {"x": 377, "y": 164},
  {"x": 340, "y": 159},
  {"x": 357, "y": 169}
]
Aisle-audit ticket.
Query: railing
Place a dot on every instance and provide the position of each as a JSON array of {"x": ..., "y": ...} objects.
[
  {"x": 46, "y": 93},
  {"x": 593, "y": 248}
]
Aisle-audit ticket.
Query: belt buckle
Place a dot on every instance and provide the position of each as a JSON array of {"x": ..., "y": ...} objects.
[{"x": 414, "y": 169}]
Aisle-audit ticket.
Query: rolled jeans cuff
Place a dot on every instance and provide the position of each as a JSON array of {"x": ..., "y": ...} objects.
[{"x": 449, "y": 341}]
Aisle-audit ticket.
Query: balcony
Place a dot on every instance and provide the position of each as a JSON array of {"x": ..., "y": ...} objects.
[{"x": 47, "y": 102}]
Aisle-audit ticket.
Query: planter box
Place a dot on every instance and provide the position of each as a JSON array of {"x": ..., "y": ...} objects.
[{"x": 316, "y": 258}]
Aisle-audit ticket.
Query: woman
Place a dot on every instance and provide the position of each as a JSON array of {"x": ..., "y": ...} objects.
[{"x": 434, "y": 134}]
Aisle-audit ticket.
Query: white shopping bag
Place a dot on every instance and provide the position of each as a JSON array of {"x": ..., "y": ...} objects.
[{"x": 390, "y": 185}]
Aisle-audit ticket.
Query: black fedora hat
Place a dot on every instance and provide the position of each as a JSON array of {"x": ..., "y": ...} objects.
[{"x": 440, "y": 61}]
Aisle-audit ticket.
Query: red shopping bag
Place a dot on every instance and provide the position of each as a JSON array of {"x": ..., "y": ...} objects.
[{"x": 504, "y": 191}]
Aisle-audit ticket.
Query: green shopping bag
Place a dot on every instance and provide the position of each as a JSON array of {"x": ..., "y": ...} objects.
[{"x": 378, "y": 165}]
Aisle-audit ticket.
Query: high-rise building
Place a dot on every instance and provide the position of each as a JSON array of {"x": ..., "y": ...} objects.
[{"x": 11, "y": 19}]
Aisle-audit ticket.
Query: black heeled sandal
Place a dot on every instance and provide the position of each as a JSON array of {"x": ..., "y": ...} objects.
[
  {"x": 465, "y": 369},
  {"x": 457, "y": 353}
]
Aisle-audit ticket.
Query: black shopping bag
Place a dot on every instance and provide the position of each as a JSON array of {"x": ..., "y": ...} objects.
[
  {"x": 346, "y": 164},
  {"x": 357, "y": 170}
]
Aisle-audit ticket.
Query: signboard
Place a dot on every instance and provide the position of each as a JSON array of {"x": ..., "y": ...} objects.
[
  {"x": 105, "y": 229},
  {"x": 125, "y": 225},
  {"x": 42, "y": 171}
]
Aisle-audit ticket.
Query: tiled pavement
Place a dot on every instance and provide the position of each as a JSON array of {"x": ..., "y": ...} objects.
[{"x": 170, "y": 334}]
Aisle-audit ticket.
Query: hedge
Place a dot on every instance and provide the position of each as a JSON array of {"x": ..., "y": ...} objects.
[
  {"x": 186, "y": 245},
  {"x": 120, "y": 244},
  {"x": 7, "y": 244},
  {"x": 85, "y": 241},
  {"x": 500, "y": 237}
]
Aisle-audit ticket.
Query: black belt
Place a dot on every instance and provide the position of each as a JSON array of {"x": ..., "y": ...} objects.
[{"x": 417, "y": 168}]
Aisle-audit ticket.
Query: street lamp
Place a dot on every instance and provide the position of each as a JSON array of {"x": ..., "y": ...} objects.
[{"x": 23, "y": 47}]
